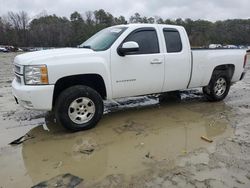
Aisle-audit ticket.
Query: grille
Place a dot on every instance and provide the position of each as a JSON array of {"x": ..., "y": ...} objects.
[{"x": 17, "y": 69}]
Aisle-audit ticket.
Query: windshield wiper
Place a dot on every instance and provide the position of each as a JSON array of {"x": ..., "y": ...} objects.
[{"x": 86, "y": 46}]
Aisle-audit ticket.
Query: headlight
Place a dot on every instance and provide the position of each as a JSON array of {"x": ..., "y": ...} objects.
[{"x": 36, "y": 75}]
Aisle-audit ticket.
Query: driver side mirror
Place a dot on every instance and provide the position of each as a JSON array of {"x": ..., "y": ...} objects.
[{"x": 128, "y": 47}]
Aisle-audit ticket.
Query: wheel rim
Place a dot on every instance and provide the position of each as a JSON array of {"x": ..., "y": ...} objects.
[
  {"x": 81, "y": 110},
  {"x": 220, "y": 86}
]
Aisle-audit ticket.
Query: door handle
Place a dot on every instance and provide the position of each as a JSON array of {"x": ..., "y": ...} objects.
[{"x": 156, "y": 61}]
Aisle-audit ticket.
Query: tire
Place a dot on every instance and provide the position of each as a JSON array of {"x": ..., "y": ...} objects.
[
  {"x": 78, "y": 108},
  {"x": 218, "y": 87}
]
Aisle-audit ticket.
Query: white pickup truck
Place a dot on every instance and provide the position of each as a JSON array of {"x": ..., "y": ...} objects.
[{"x": 120, "y": 61}]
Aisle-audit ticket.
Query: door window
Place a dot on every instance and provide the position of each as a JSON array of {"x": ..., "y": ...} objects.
[
  {"x": 172, "y": 40},
  {"x": 146, "y": 39}
]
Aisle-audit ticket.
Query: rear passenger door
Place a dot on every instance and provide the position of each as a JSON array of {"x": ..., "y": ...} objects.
[
  {"x": 177, "y": 55},
  {"x": 140, "y": 72}
]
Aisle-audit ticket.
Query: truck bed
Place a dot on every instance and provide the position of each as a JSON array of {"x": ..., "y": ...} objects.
[{"x": 205, "y": 60}]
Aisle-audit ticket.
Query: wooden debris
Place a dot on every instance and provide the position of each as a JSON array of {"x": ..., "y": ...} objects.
[{"x": 206, "y": 139}]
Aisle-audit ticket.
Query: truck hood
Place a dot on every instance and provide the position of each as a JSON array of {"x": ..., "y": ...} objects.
[{"x": 39, "y": 56}]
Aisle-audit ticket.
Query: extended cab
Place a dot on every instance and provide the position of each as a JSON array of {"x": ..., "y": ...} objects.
[{"x": 120, "y": 61}]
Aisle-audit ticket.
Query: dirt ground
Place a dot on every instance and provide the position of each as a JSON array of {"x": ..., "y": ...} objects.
[{"x": 138, "y": 143}]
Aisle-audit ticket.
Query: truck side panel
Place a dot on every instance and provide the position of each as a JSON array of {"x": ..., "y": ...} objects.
[
  {"x": 205, "y": 61},
  {"x": 78, "y": 66}
]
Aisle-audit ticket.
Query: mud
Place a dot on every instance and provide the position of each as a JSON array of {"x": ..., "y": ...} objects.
[
  {"x": 138, "y": 143},
  {"x": 63, "y": 181}
]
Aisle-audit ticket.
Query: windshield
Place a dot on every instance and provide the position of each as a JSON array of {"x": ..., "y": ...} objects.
[{"x": 103, "y": 39}]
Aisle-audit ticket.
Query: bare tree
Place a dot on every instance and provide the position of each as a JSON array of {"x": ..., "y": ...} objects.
[
  {"x": 19, "y": 20},
  {"x": 89, "y": 17}
]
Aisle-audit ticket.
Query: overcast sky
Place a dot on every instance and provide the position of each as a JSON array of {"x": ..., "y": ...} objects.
[{"x": 195, "y": 9}]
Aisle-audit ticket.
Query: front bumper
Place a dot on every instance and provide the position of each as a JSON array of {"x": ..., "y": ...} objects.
[{"x": 33, "y": 97}]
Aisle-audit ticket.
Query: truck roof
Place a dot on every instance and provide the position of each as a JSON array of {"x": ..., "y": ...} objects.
[{"x": 137, "y": 25}]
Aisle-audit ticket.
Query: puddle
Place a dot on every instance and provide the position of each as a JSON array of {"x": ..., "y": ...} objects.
[{"x": 124, "y": 142}]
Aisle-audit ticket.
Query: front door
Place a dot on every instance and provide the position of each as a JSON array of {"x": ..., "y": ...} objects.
[{"x": 140, "y": 72}]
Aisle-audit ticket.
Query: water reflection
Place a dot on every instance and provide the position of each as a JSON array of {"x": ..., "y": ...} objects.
[{"x": 125, "y": 142}]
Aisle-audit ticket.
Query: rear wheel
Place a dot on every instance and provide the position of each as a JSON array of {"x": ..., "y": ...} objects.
[
  {"x": 218, "y": 87},
  {"x": 79, "y": 108}
]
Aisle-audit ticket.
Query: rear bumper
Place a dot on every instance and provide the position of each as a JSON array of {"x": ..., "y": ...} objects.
[{"x": 33, "y": 97}]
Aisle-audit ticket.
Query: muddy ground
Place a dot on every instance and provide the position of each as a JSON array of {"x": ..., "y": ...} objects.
[{"x": 138, "y": 143}]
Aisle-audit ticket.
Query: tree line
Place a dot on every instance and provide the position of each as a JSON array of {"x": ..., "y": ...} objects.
[{"x": 17, "y": 29}]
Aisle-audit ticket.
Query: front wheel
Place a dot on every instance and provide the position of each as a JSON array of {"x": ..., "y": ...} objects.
[
  {"x": 79, "y": 108},
  {"x": 218, "y": 87}
]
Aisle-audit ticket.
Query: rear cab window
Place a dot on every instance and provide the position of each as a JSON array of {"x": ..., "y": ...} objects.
[{"x": 172, "y": 40}]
